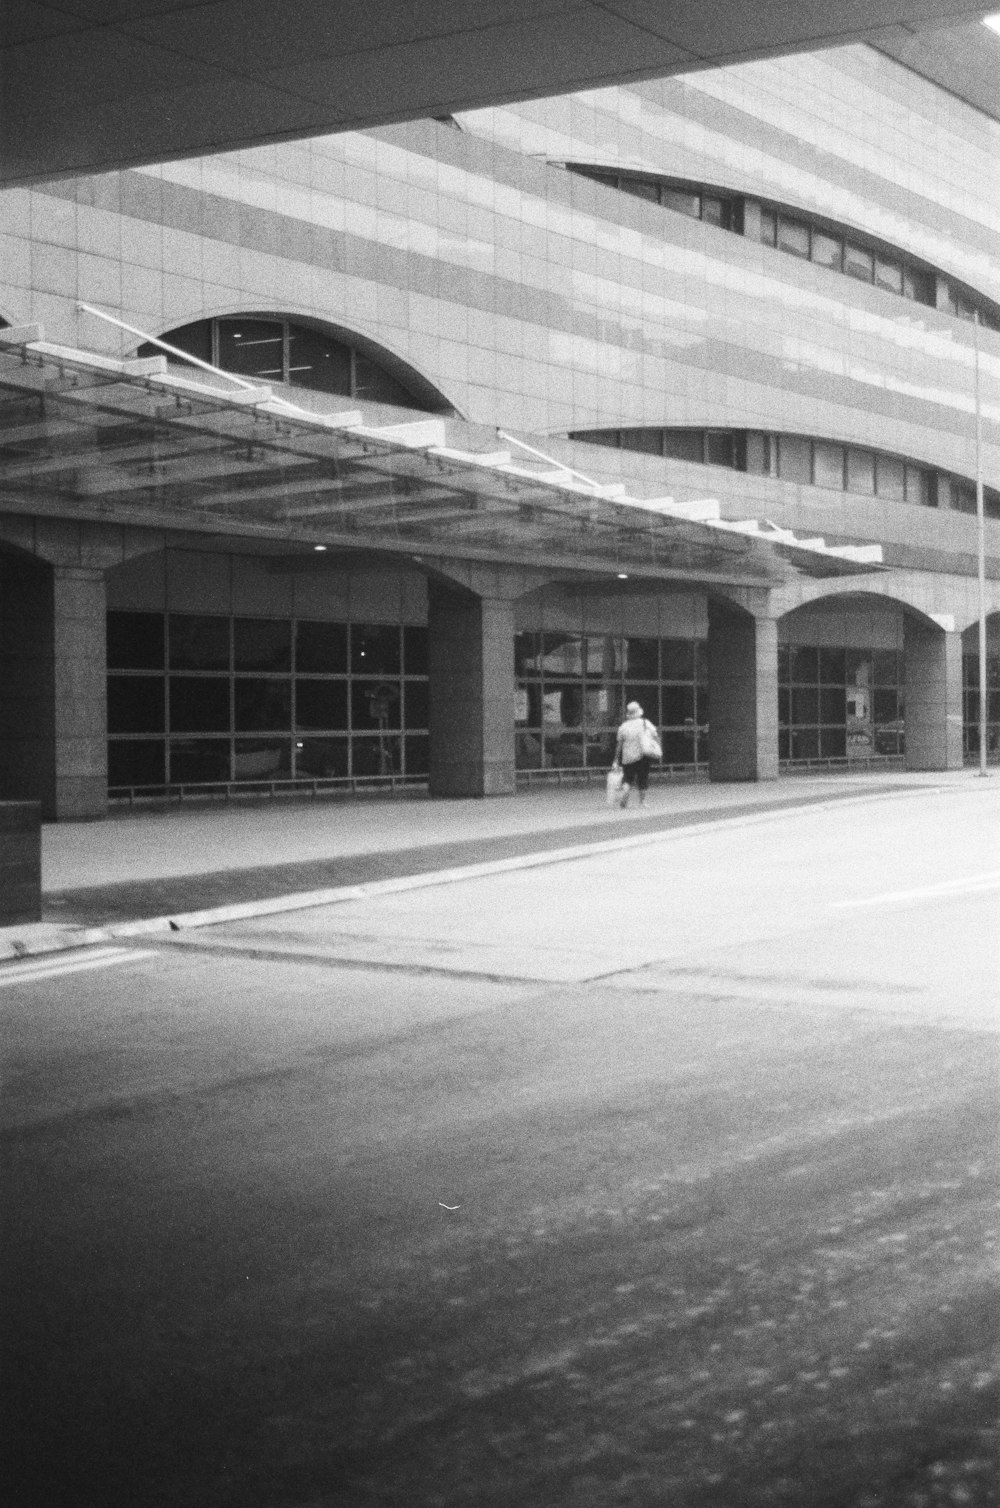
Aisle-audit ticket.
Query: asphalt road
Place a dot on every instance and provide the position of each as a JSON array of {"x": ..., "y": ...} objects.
[{"x": 666, "y": 1176}]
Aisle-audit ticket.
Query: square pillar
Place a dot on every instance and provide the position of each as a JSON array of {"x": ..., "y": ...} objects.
[
  {"x": 471, "y": 655},
  {"x": 79, "y": 631},
  {"x": 743, "y": 694},
  {"x": 27, "y": 730},
  {"x": 932, "y": 676}
]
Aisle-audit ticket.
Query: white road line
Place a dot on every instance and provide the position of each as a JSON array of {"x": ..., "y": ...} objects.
[
  {"x": 973, "y": 884},
  {"x": 48, "y": 968}
]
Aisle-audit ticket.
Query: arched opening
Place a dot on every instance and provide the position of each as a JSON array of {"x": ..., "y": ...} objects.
[
  {"x": 841, "y": 679},
  {"x": 305, "y": 353}
]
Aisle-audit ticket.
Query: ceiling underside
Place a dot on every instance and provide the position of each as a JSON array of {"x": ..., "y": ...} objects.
[
  {"x": 135, "y": 443},
  {"x": 91, "y": 85}
]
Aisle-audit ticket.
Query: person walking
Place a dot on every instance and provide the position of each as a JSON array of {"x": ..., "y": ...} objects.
[{"x": 636, "y": 748}]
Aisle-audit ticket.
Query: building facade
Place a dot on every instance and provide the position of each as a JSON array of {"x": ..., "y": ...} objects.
[{"x": 774, "y": 288}]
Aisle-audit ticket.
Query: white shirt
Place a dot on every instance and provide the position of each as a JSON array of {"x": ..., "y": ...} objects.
[{"x": 630, "y": 740}]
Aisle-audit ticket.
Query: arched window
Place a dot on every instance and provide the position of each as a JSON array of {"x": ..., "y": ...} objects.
[{"x": 281, "y": 350}]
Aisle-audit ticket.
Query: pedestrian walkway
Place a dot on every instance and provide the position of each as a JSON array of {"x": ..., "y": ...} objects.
[{"x": 159, "y": 862}]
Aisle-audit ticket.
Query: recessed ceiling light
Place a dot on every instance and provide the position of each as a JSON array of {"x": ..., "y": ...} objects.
[
  {"x": 319, "y": 547},
  {"x": 623, "y": 575}
]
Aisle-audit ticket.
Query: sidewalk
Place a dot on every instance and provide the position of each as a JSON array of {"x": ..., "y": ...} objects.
[{"x": 144, "y": 865}]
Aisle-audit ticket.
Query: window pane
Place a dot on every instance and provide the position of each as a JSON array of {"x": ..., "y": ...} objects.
[
  {"x": 683, "y": 201},
  {"x": 805, "y": 704},
  {"x": 321, "y": 647},
  {"x": 321, "y": 704},
  {"x": 418, "y": 755},
  {"x": 678, "y": 746},
  {"x": 804, "y": 743},
  {"x": 527, "y": 653},
  {"x": 135, "y": 704},
  {"x": 919, "y": 285},
  {"x": 861, "y": 472},
  {"x": 677, "y": 659},
  {"x": 415, "y": 651},
  {"x": 262, "y": 759},
  {"x": 885, "y": 667},
  {"x": 889, "y": 275},
  {"x": 262, "y": 644},
  {"x": 794, "y": 459},
  {"x": 376, "y": 756},
  {"x": 833, "y": 705},
  {"x": 833, "y": 743},
  {"x": 323, "y": 758},
  {"x": 642, "y": 658},
  {"x": 768, "y": 226},
  {"x": 199, "y": 705},
  {"x": 890, "y": 478},
  {"x": 886, "y": 706},
  {"x": 648, "y": 698},
  {"x": 198, "y": 643},
  {"x": 135, "y": 641},
  {"x": 678, "y": 706},
  {"x": 719, "y": 447},
  {"x": 827, "y": 251},
  {"x": 715, "y": 210},
  {"x": 649, "y": 441},
  {"x": 252, "y": 347},
  {"x": 758, "y": 453},
  {"x": 832, "y": 667},
  {"x": 793, "y": 236},
  {"x": 318, "y": 361},
  {"x": 416, "y": 704},
  {"x": 136, "y": 762},
  {"x": 803, "y": 663},
  {"x": 199, "y": 760},
  {"x": 195, "y": 339},
  {"x": 828, "y": 465},
  {"x": 683, "y": 444},
  {"x": 375, "y": 704},
  {"x": 263, "y": 705},
  {"x": 375, "y": 649},
  {"x": 641, "y": 189},
  {"x": 858, "y": 263},
  {"x": 919, "y": 487},
  {"x": 373, "y": 383}
]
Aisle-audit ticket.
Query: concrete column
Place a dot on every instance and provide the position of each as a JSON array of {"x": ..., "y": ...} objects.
[
  {"x": 743, "y": 695},
  {"x": 27, "y": 729},
  {"x": 79, "y": 609},
  {"x": 932, "y": 675},
  {"x": 471, "y": 651}
]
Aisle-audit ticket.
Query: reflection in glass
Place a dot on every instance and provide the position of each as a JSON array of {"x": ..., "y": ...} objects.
[
  {"x": 135, "y": 704},
  {"x": 321, "y": 647},
  {"x": 321, "y": 704},
  {"x": 262, "y": 704},
  {"x": 262, "y": 759},
  {"x": 199, "y": 759},
  {"x": 199, "y": 704}
]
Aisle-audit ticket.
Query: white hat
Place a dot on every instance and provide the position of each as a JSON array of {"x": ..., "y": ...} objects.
[{"x": 633, "y": 709}]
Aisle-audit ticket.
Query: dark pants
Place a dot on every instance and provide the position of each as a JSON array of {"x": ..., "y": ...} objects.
[{"x": 637, "y": 774}]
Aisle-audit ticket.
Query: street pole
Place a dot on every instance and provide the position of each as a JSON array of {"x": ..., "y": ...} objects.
[{"x": 981, "y": 550}]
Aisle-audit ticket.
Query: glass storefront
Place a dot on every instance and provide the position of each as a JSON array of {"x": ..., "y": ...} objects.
[
  {"x": 841, "y": 703},
  {"x": 572, "y": 690},
  {"x": 970, "y": 706},
  {"x": 204, "y": 699}
]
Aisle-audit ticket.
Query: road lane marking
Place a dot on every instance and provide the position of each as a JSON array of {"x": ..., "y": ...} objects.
[
  {"x": 49, "y": 968},
  {"x": 973, "y": 884}
]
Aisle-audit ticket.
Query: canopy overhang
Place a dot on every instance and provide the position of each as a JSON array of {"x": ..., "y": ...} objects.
[{"x": 135, "y": 442}]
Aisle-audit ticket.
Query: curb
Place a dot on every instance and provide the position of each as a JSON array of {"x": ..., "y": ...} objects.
[{"x": 41, "y": 938}]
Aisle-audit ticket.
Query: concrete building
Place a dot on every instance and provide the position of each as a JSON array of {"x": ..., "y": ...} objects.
[{"x": 535, "y": 409}]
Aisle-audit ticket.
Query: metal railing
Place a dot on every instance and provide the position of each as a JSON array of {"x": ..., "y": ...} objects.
[{"x": 234, "y": 790}]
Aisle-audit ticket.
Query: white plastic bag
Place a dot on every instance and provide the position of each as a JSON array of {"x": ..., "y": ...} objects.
[{"x": 614, "y": 785}]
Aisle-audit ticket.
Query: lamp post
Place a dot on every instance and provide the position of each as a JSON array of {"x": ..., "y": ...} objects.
[{"x": 980, "y": 548}]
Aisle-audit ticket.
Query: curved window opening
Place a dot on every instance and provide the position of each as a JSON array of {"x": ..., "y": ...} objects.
[
  {"x": 836, "y": 247},
  {"x": 284, "y": 351},
  {"x": 805, "y": 460}
]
